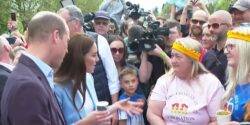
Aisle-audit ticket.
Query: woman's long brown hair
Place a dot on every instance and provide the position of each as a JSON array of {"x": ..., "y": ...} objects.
[{"x": 73, "y": 67}]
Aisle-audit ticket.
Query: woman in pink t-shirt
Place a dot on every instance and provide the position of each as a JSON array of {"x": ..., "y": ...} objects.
[{"x": 188, "y": 93}]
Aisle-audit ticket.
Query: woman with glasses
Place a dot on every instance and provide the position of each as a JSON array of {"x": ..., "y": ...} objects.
[
  {"x": 207, "y": 42},
  {"x": 188, "y": 93},
  {"x": 237, "y": 93},
  {"x": 119, "y": 52}
]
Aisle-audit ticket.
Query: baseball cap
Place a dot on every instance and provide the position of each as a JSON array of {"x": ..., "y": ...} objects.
[
  {"x": 102, "y": 14},
  {"x": 242, "y": 5}
]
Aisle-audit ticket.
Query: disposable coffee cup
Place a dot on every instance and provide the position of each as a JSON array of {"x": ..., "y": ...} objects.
[
  {"x": 102, "y": 105},
  {"x": 223, "y": 117}
]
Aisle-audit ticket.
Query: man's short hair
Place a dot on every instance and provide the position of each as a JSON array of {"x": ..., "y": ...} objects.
[
  {"x": 43, "y": 24},
  {"x": 171, "y": 24},
  {"x": 127, "y": 71},
  {"x": 75, "y": 13}
]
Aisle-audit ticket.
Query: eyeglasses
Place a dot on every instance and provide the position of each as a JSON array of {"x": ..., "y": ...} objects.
[
  {"x": 104, "y": 23},
  {"x": 229, "y": 47},
  {"x": 215, "y": 25},
  {"x": 194, "y": 21},
  {"x": 115, "y": 50}
]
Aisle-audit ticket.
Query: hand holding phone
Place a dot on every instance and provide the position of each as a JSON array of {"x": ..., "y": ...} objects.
[
  {"x": 11, "y": 40},
  {"x": 13, "y": 16}
]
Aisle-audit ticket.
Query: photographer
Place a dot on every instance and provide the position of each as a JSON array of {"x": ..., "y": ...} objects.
[
  {"x": 14, "y": 37},
  {"x": 154, "y": 64}
]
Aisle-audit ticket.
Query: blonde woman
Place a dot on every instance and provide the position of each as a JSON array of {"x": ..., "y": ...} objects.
[
  {"x": 188, "y": 93},
  {"x": 238, "y": 54}
]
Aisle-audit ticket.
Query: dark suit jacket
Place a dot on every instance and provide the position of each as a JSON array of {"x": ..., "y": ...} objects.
[
  {"x": 28, "y": 99},
  {"x": 4, "y": 73}
]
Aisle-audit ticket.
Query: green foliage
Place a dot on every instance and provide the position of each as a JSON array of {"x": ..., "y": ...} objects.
[
  {"x": 219, "y": 5},
  {"x": 5, "y": 15},
  {"x": 216, "y": 5},
  {"x": 165, "y": 12},
  {"x": 25, "y": 9},
  {"x": 88, "y": 5}
]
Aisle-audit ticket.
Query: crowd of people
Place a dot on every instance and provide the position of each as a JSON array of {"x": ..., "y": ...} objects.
[{"x": 150, "y": 70}]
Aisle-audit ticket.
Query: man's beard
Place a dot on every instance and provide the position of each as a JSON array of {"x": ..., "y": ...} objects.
[
  {"x": 196, "y": 31},
  {"x": 219, "y": 37}
]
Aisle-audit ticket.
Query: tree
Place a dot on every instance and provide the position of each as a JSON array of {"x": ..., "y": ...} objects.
[
  {"x": 25, "y": 9},
  {"x": 88, "y": 5},
  {"x": 219, "y": 5}
]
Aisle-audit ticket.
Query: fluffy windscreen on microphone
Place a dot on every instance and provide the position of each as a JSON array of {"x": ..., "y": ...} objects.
[{"x": 134, "y": 33}]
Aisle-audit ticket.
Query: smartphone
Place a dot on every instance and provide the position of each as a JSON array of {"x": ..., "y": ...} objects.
[
  {"x": 13, "y": 16},
  {"x": 11, "y": 40}
]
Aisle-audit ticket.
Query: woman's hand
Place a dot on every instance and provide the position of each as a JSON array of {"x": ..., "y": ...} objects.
[
  {"x": 96, "y": 118},
  {"x": 128, "y": 106}
]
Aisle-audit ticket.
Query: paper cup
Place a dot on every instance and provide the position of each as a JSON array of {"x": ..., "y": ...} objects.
[
  {"x": 102, "y": 105},
  {"x": 223, "y": 117}
]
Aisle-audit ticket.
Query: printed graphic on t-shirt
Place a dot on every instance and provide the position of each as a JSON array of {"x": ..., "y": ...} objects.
[{"x": 184, "y": 107}]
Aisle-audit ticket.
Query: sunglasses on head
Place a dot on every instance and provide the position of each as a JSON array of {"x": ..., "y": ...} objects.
[
  {"x": 194, "y": 21},
  {"x": 215, "y": 25},
  {"x": 115, "y": 50}
]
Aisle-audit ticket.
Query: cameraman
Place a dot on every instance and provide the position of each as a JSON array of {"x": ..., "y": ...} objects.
[{"x": 154, "y": 64}]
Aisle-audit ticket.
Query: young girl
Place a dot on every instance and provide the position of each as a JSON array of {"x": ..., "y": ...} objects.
[{"x": 129, "y": 83}]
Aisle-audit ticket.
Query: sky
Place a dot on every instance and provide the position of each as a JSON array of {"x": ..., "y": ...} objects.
[{"x": 148, "y": 4}]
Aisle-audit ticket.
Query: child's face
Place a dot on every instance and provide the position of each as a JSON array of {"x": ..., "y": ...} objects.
[{"x": 129, "y": 83}]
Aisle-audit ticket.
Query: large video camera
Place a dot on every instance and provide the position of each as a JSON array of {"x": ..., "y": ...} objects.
[
  {"x": 135, "y": 12},
  {"x": 148, "y": 38},
  {"x": 88, "y": 26}
]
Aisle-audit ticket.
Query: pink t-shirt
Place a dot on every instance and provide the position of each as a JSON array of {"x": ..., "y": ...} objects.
[{"x": 190, "y": 103}]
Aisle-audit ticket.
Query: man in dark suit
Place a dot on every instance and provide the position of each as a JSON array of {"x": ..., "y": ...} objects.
[
  {"x": 5, "y": 67},
  {"x": 28, "y": 97}
]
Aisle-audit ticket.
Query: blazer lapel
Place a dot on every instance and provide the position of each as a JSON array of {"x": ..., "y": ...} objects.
[
  {"x": 31, "y": 64},
  {"x": 5, "y": 68}
]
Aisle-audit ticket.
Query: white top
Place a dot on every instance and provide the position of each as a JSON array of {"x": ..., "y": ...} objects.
[
  {"x": 109, "y": 65},
  {"x": 8, "y": 66},
  {"x": 192, "y": 102}
]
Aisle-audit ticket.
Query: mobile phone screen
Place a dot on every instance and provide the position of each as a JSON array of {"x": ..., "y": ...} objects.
[
  {"x": 11, "y": 40},
  {"x": 13, "y": 16}
]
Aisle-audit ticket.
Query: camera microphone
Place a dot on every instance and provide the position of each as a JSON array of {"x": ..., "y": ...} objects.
[
  {"x": 128, "y": 3},
  {"x": 135, "y": 33}
]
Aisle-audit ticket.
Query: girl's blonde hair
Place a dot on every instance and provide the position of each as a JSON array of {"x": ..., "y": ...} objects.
[{"x": 241, "y": 73}]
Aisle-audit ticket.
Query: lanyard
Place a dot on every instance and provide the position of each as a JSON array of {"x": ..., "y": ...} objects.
[{"x": 72, "y": 101}]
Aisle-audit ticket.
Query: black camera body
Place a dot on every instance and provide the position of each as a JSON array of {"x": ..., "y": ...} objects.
[
  {"x": 149, "y": 38},
  {"x": 135, "y": 12},
  {"x": 88, "y": 26}
]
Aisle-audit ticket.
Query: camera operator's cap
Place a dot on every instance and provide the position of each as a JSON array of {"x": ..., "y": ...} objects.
[
  {"x": 102, "y": 14},
  {"x": 242, "y": 5}
]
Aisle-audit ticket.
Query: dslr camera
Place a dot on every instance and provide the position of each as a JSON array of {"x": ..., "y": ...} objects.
[
  {"x": 88, "y": 26},
  {"x": 134, "y": 11},
  {"x": 148, "y": 38}
]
